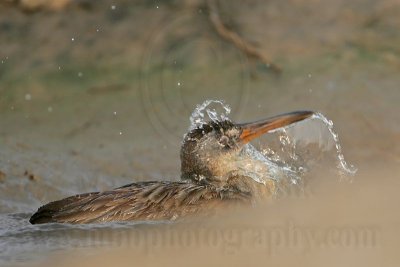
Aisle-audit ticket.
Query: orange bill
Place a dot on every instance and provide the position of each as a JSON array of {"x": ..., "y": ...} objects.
[{"x": 254, "y": 129}]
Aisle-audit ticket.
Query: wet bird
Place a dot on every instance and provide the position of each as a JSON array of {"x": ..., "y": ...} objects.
[{"x": 213, "y": 175}]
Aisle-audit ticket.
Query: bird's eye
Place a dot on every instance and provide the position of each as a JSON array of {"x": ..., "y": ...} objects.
[{"x": 224, "y": 141}]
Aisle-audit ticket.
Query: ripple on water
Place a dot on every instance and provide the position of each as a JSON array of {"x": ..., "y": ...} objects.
[{"x": 22, "y": 242}]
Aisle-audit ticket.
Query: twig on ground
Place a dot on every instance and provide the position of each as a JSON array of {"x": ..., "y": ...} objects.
[{"x": 238, "y": 41}]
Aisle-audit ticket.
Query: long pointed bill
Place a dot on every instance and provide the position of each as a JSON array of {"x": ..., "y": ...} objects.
[{"x": 254, "y": 129}]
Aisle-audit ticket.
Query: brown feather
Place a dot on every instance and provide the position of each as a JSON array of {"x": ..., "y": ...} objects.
[{"x": 138, "y": 201}]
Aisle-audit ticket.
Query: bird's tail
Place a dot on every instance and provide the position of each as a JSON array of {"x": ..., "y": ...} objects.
[{"x": 61, "y": 210}]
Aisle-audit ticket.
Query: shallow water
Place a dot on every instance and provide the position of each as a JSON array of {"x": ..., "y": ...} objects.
[{"x": 111, "y": 107}]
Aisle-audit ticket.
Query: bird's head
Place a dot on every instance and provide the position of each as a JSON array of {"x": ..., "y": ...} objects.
[{"x": 213, "y": 152}]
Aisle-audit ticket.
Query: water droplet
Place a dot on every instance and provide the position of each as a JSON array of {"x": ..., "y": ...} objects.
[
  {"x": 113, "y": 7},
  {"x": 28, "y": 97},
  {"x": 120, "y": 133},
  {"x": 80, "y": 74},
  {"x": 72, "y": 39},
  {"x": 179, "y": 84},
  {"x": 115, "y": 113}
]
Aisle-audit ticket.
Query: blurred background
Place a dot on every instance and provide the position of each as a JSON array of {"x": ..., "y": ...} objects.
[{"x": 97, "y": 94}]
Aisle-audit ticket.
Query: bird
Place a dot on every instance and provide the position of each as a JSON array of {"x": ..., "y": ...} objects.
[{"x": 213, "y": 175}]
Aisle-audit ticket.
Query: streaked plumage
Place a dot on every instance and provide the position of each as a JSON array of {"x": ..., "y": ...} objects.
[
  {"x": 209, "y": 181},
  {"x": 138, "y": 201}
]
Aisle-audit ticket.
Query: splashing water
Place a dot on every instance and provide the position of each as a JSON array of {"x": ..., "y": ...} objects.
[
  {"x": 290, "y": 164},
  {"x": 261, "y": 168},
  {"x": 215, "y": 110},
  {"x": 342, "y": 165},
  {"x": 290, "y": 155}
]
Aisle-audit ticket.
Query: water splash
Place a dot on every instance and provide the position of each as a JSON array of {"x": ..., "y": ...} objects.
[
  {"x": 343, "y": 166},
  {"x": 289, "y": 162},
  {"x": 289, "y": 154},
  {"x": 209, "y": 110},
  {"x": 260, "y": 168}
]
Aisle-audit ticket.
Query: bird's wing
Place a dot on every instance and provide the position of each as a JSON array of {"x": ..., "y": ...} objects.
[{"x": 138, "y": 201}]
